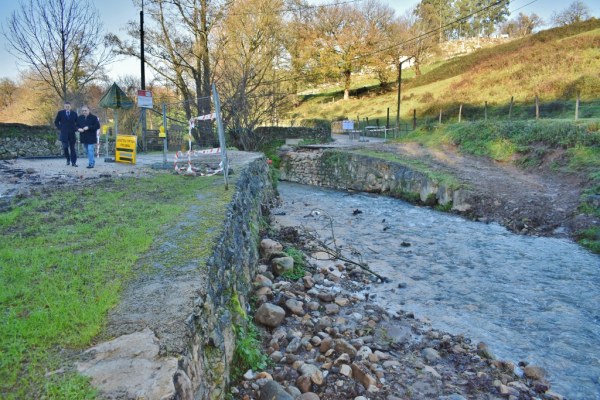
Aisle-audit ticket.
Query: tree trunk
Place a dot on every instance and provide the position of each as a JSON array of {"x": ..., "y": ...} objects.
[
  {"x": 417, "y": 67},
  {"x": 347, "y": 80}
]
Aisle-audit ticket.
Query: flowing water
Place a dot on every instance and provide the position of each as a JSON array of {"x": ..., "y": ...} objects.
[{"x": 529, "y": 298}]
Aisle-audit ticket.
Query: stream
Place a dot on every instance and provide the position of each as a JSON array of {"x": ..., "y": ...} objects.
[{"x": 528, "y": 298}]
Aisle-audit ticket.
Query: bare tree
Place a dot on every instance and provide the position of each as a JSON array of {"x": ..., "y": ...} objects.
[
  {"x": 522, "y": 25},
  {"x": 60, "y": 40},
  {"x": 177, "y": 48},
  {"x": 577, "y": 11},
  {"x": 250, "y": 67}
]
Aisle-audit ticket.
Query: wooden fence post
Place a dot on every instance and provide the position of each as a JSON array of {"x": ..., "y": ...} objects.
[
  {"x": 485, "y": 111},
  {"x": 510, "y": 107},
  {"x": 440, "y": 116},
  {"x": 414, "y": 119},
  {"x": 387, "y": 121},
  {"x": 537, "y": 107},
  {"x": 577, "y": 108},
  {"x": 459, "y": 113}
]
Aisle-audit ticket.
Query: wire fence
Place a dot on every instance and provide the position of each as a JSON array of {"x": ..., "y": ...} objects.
[{"x": 535, "y": 109}]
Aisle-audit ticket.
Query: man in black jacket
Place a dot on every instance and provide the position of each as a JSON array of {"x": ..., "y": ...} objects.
[
  {"x": 87, "y": 125},
  {"x": 66, "y": 121}
]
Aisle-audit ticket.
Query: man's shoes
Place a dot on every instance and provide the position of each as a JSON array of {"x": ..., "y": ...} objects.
[
  {"x": 74, "y": 164},
  {"x": 68, "y": 163},
  {"x": 90, "y": 166}
]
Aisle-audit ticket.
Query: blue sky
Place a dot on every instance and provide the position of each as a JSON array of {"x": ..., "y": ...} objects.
[{"x": 115, "y": 14}]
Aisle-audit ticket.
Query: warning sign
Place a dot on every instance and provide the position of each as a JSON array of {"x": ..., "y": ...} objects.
[{"x": 126, "y": 148}]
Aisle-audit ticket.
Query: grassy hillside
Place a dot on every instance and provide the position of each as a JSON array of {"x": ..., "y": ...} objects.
[{"x": 555, "y": 65}]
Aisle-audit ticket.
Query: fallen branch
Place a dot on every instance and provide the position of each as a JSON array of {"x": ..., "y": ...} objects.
[{"x": 335, "y": 251}]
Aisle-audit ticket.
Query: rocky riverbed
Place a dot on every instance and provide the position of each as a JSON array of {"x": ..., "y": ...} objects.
[{"x": 327, "y": 339}]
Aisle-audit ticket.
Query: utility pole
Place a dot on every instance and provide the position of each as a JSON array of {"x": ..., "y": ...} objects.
[
  {"x": 143, "y": 75},
  {"x": 400, "y": 62}
]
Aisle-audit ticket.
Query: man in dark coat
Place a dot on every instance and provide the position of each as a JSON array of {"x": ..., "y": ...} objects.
[
  {"x": 87, "y": 125},
  {"x": 65, "y": 122}
]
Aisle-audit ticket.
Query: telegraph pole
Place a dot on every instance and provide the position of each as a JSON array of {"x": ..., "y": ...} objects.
[
  {"x": 400, "y": 62},
  {"x": 143, "y": 75}
]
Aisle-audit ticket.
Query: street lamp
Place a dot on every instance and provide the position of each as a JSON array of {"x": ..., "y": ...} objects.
[{"x": 400, "y": 62}]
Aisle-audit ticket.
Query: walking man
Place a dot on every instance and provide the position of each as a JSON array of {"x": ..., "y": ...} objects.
[
  {"x": 65, "y": 122},
  {"x": 87, "y": 126}
]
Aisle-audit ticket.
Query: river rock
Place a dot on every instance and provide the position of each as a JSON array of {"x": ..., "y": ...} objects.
[
  {"x": 304, "y": 383},
  {"x": 331, "y": 309},
  {"x": 342, "y": 346},
  {"x": 364, "y": 352},
  {"x": 534, "y": 372},
  {"x": 326, "y": 297},
  {"x": 282, "y": 265},
  {"x": 361, "y": 374},
  {"x": 346, "y": 370},
  {"x": 484, "y": 351},
  {"x": 262, "y": 281},
  {"x": 269, "y": 315},
  {"x": 269, "y": 247},
  {"x": 308, "y": 396},
  {"x": 274, "y": 391},
  {"x": 316, "y": 376},
  {"x": 430, "y": 355},
  {"x": 296, "y": 307}
]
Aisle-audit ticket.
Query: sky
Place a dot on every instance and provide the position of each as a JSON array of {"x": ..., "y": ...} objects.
[{"x": 115, "y": 14}]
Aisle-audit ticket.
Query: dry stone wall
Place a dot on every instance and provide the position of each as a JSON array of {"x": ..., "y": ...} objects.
[
  {"x": 174, "y": 328},
  {"x": 33, "y": 146},
  {"x": 350, "y": 171}
]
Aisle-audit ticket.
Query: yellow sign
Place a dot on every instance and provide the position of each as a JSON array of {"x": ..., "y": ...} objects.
[
  {"x": 126, "y": 148},
  {"x": 161, "y": 132}
]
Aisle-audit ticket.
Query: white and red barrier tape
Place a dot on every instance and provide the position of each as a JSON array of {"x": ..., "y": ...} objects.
[{"x": 191, "y": 153}]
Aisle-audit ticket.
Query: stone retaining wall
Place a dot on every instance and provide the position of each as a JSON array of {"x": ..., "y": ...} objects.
[
  {"x": 33, "y": 142},
  {"x": 349, "y": 171},
  {"x": 174, "y": 328},
  {"x": 275, "y": 132}
]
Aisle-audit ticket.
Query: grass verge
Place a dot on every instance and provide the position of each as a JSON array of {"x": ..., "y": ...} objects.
[{"x": 65, "y": 259}]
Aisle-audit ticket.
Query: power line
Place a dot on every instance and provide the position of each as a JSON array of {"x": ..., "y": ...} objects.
[
  {"x": 303, "y": 8},
  {"x": 421, "y": 36},
  {"x": 434, "y": 31},
  {"x": 523, "y": 6}
]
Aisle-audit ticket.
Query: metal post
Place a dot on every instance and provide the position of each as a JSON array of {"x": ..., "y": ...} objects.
[
  {"x": 221, "y": 132},
  {"x": 143, "y": 74},
  {"x": 399, "y": 90},
  {"x": 398, "y": 101},
  {"x": 164, "y": 112}
]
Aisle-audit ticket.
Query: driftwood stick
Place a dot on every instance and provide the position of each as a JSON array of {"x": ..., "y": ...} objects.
[{"x": 336, "y": 252}]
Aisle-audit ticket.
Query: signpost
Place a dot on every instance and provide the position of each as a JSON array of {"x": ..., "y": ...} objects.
[{"x": 145, "y": 99}]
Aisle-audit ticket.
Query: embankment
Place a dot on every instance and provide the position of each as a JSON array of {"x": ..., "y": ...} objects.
[{"x": 172, "y": 336}]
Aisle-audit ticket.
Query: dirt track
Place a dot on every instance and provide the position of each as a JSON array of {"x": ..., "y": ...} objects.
[{"x": 539, "y": 201}]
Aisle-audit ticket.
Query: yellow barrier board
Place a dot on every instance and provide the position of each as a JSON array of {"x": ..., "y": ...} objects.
[{"x": 126, "y": 148}]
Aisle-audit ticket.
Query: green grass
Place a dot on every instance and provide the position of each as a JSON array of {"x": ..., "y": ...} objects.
[
  {"x": 298, "y": 271},
  {"x": 65, "y": 258}
]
